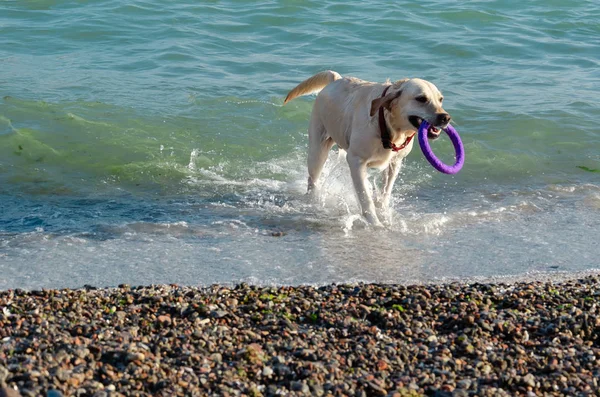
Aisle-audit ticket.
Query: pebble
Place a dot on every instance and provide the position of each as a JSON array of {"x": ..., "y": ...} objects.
[
  {"x": 267, "y": 371},
  {"x": 536, "y": 338},
  {"x": 299, "y": 386},
  {"x": 8, "y": 392}
]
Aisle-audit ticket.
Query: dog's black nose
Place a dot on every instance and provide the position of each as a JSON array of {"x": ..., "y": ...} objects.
[{"x": 443, "y": 118}]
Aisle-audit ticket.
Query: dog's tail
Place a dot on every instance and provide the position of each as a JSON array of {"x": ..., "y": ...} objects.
[{"x": 313, "y": 84}]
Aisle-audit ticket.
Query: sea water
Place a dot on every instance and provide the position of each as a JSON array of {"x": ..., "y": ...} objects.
[{"x": 146, "y": 142}]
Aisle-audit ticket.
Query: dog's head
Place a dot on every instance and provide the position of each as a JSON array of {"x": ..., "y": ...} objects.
[{"x": 411, "y": 101}]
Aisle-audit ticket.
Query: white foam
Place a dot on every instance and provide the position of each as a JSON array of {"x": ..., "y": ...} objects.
[{"x": 432, "y": 236}]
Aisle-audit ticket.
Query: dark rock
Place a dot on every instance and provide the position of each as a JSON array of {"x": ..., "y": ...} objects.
[{"x": 8, "y": 392}]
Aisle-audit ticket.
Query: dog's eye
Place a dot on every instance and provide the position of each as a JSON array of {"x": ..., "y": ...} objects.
[
  {"x": 421, "y": 99},
  {"x": 441, "y": 100}
]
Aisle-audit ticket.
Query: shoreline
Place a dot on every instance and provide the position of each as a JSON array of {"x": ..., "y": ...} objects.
[{"x": 453, "y": 339}]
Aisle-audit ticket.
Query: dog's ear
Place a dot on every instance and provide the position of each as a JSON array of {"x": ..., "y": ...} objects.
[{"x": 384, "y": 102}]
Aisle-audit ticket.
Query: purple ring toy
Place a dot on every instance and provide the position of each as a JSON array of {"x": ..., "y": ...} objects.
[{"x": 434, "y": 161}]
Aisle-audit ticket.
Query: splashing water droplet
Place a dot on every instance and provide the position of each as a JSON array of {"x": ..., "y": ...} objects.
[{"x": 193, "y": 157}]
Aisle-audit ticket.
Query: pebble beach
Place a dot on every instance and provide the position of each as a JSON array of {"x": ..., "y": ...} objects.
[{"x": 537, "y": 338}]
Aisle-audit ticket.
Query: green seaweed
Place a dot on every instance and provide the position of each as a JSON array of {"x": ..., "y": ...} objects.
[
  {"x": 588, "y": 169},
  {"x": 266, "y": 297}
]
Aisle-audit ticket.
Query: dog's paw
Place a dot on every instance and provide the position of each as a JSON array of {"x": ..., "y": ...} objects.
[
  {"x": 385, "y": 215},
  {"x": 373, "y": 220},
  {"x": 313, "y": 195},
  {"x": 387, "y": 222}
]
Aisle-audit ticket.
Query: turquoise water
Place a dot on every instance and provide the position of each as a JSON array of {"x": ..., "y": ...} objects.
[{"x": 146, "y": 142}]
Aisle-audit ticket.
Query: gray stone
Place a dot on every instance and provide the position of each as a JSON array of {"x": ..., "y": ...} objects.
[
  {"x": 267, "y": 371},
  {"x": 8, "y": 392},
  {"x": 300, "y": 386},
  {"x": 4, "y": 372},
  {"x": 218, "y": 313}
]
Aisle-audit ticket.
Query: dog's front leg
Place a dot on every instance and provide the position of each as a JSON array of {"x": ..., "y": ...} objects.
[
  {"x": 389, "y": 178},
  {"x": 358, "y": 171}
]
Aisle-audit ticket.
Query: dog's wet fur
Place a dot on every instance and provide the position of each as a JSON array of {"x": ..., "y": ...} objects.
[{"x": 346, "y": 113}]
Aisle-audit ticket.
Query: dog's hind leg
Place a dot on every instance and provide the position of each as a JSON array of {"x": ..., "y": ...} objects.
[{"x": 319, "y": 145}]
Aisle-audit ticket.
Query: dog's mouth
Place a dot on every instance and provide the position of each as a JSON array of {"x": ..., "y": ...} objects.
[{"x": 432, "y": 132}]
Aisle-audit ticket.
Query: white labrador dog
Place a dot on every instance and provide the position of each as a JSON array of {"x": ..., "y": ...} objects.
[{"x": 374, "y": 123}]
